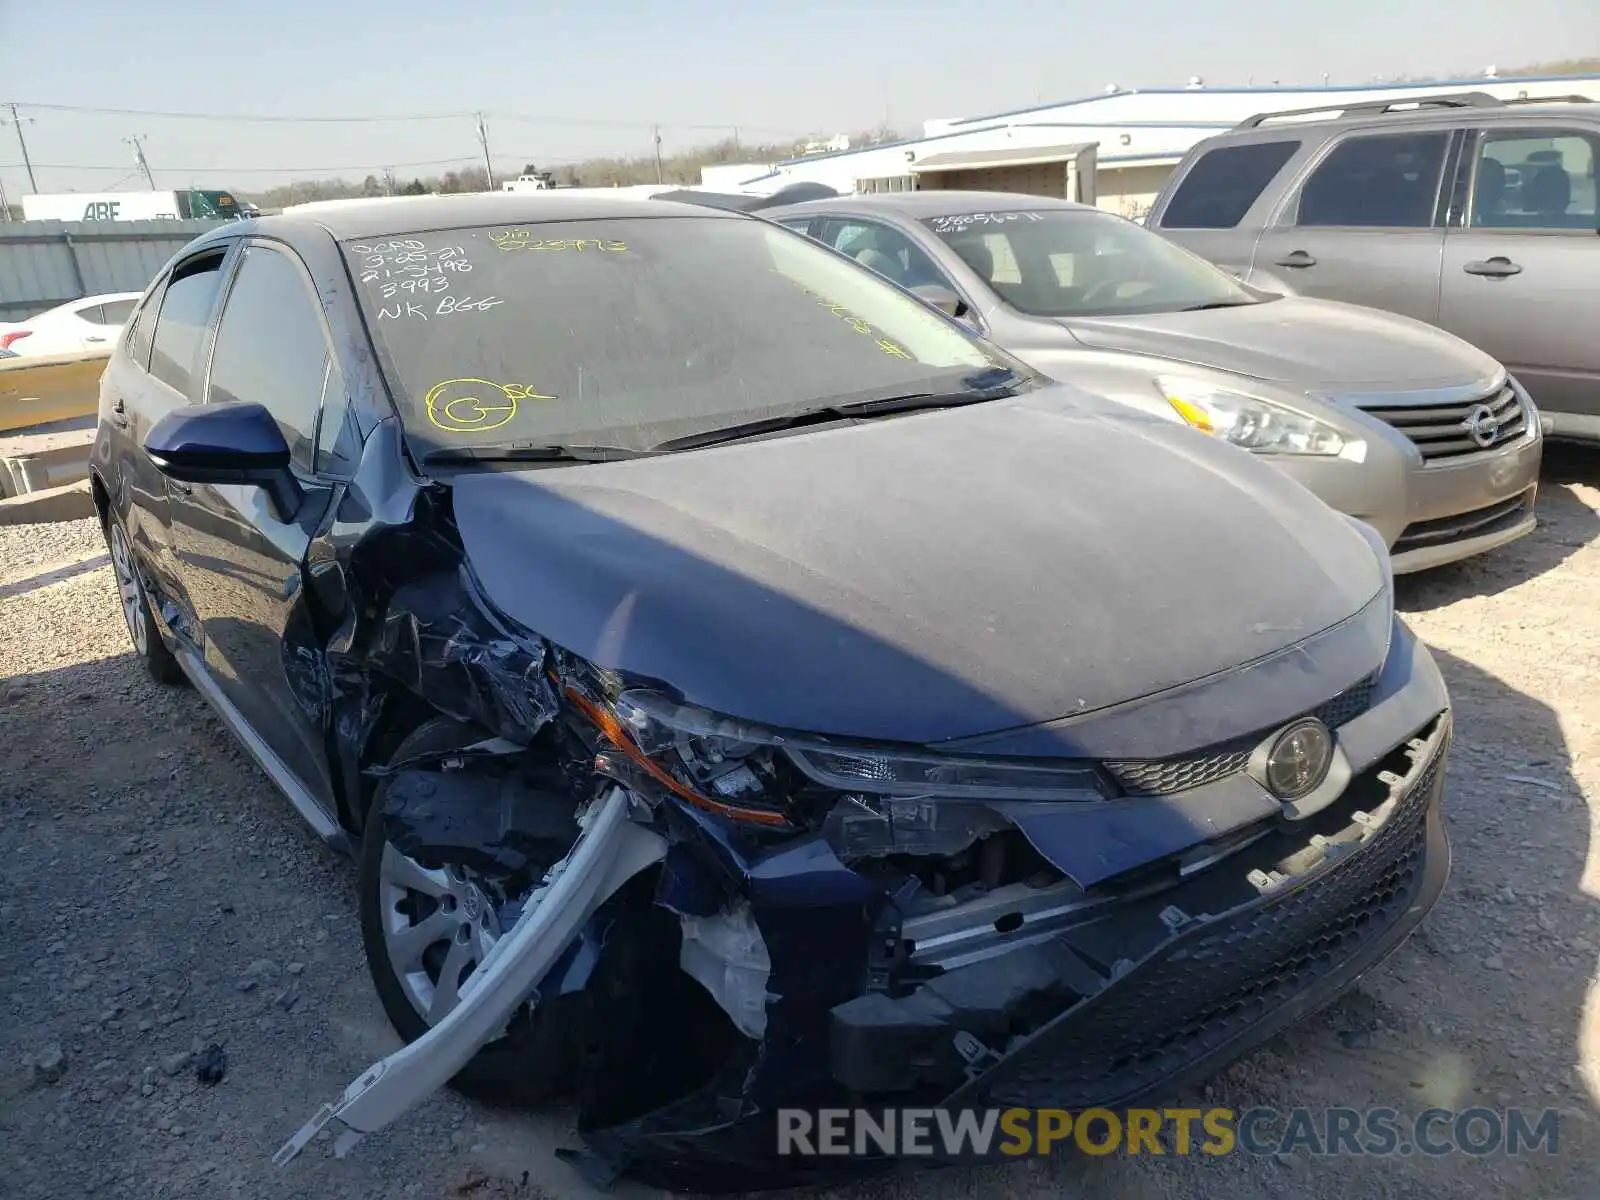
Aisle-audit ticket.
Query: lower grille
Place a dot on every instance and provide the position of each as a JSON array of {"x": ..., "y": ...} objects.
[
  {"x": 1165, "y": 776},
  {"x": 1215, "y": 986},
  {"x": 1480, "y": 521},
  {"x": 1453, "y": 430}
]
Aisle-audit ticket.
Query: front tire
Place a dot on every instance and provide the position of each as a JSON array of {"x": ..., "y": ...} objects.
[
  {"x": 424, "y": 932},
  {"x": 158, "y": 661}
]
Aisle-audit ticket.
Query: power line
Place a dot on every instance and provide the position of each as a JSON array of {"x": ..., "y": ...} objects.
[
  {"x": 236, "y": 117},
  {"x": 368, "y": 118},
  {"x": 427, "y": 162},
  {"x": 619, "y": 123}
]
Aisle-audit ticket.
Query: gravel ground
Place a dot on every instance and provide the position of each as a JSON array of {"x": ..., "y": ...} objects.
[{"x": 159, "y": 897}]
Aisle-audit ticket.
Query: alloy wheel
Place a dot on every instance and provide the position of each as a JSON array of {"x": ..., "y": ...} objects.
[
  {"x": 438, "y": 925},
  {"x": 129, "y": 590}
]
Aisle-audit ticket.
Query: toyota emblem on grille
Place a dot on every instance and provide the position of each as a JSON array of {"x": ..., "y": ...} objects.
[
  {"x": 1298, "y": 759},
  {"x": 1482, "y": 425}
]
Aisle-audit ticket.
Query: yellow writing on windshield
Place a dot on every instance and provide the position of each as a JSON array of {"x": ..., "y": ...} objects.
[
  {"x": 523, "y": 239},
  {"x": 887, "y": 345},
  {"x": 474, "y": 405}
]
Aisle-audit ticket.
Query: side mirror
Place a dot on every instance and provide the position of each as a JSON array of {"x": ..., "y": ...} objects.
[
  {"x": 226, "y": 443},
  {"x": 940, "y": 297}
]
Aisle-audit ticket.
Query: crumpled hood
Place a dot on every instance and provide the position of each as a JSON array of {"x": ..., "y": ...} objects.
[
  {"x": 922, "y": 577},
  {"x": 1311, "y": 344}
]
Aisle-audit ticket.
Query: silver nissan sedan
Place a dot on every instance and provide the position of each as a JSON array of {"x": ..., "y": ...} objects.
[{"x": 1388, "y": 419}]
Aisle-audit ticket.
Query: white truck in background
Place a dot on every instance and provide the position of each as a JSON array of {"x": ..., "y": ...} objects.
[
  {"x": 181, "y": 205},
  {"x": 542, "y": 181}
]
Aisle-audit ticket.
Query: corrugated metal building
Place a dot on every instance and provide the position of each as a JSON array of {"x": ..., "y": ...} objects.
[
  {"x": 1140, "y": 135},
  {"x": 45, "y": 263}
]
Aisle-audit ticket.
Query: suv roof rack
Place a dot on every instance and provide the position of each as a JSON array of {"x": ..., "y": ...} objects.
[
  {"x": 1569, "y": 98},
  {"x": 1365, "y": 108}
]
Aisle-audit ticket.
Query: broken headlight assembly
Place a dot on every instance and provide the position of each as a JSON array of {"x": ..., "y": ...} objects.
[{"x": 884, "y": 800}]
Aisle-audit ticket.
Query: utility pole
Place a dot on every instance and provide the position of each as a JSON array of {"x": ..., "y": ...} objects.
[
  {"x": 483, "y": 140},
  {"x": 655, "y": 133},
  {"x": 139, "y": 158},
  {"x": 736, "y": 139},
  {"x": 23, "y": 142},
  {"x": 5, "y": 205}
]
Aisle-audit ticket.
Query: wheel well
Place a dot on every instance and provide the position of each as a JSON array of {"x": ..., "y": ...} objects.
[
  {"x": 403, "y": 712},
  {"x": 101, "y": 497}
]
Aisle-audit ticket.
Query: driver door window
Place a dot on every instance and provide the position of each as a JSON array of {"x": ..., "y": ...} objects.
[
  {"x": 272, "y": 349},
  {"x": 885, "y": 250}
]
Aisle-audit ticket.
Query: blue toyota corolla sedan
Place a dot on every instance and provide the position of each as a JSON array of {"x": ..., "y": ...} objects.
[{"x": 740, "y": 686}]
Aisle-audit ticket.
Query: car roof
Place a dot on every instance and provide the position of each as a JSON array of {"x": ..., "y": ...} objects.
[
  {"x": 936, "y": 203},
  {"x": 418, "y": 214}
]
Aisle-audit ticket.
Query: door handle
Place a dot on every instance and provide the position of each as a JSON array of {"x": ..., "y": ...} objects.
[
  {"x": 183, "y": 489},
  {"x": 1296, "y": 258},
  {"x": 1498, "y": 267},
  {"x": 94, "y": 339}
]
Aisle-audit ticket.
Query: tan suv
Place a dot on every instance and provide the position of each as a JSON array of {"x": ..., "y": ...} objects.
[{"x": 1472, "y": 213}]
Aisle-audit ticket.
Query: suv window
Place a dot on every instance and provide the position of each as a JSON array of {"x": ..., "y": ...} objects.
[
  {"x": 885, "y": 250},
  {"x": 1386, "y": 180},
  {"x": 271, "y": 348},
  {"x": 1223, "y": 183},
  {"x": 185, "y": 309},
  {"x": 1534, "y": 179}
]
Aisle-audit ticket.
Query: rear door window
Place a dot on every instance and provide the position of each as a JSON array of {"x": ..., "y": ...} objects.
[
  {"x": 1222, "y": 185},
  {"x": 137, "y": 335},
  {"x": 1388, "y": 181},
  {"x": 116, "y": 312},
  {"x": 1535, "y": 179},
  {"x": 185, "y": 309}
]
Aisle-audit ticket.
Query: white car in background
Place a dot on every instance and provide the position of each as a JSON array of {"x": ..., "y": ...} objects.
[{"x": 87, "y": 324}]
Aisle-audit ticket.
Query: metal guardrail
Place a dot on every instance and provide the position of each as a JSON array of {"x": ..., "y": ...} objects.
[{"x": 50, "y": 387}]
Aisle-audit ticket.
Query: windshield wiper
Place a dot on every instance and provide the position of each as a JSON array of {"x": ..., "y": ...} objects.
[
  {"x": 1202, "y": 307},
  {"x": 984, "y": 385},
  {"x": 525, "y": 452}
]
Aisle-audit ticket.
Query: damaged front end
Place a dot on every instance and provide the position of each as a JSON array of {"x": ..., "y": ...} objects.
[{"x": 751, "y": 919}]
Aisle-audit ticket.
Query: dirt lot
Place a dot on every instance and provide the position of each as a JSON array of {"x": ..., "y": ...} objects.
[{"x": 159, "y": 896}]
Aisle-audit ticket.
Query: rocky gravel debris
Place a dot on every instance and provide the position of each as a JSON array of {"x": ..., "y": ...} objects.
[{"x": 182, "y": 985}]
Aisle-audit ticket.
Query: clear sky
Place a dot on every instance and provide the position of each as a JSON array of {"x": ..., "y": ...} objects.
[{"x": 592, "y": 78}]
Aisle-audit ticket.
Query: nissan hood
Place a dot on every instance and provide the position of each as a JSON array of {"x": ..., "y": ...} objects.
[
  {"x": 923, "y": 577},
  {"x": 1317, "y": 345}
]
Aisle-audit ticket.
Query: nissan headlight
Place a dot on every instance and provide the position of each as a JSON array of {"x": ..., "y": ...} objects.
[
  {"x": 1250, "y": 422},
  {"x": 746, "y": 771}
]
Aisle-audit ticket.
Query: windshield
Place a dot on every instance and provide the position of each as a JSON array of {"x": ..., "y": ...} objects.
[
  {"x": 1082, "y": 263},
  {"x": 632, "y": 332},
  {"x": 209, "y": 204}
]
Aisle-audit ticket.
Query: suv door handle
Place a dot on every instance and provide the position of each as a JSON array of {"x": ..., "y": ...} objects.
[
  {"x": 1498, "y": 267},
  {"x": 1296, "y": 258}
]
